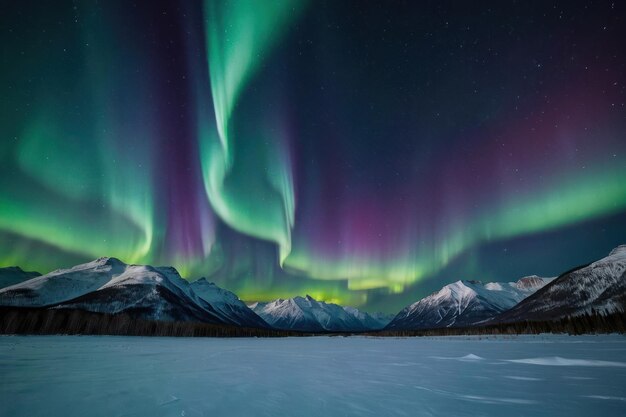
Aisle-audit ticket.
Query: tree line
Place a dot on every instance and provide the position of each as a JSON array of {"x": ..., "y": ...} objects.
[
  {"x": 589, "y": 323},
  {"x": 41, "y": 321},
  {"x": 38, "y": 321}
]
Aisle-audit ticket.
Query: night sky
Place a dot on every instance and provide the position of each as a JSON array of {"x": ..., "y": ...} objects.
[{"x": 362, "y": 152}]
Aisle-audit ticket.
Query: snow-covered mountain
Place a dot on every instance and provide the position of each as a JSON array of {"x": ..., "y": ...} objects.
[
  {"x": 600, "y": 286},
  {"x": 107, "y": 285},
  {"x": 227, "y": 303},
  {"x": 62, "y": 284},
  {"x": 465, "y": 303},
  {"x": 307, "y": 314},
  {"x": 14, "y": 275},
  {"x": 371, "y": 321}
]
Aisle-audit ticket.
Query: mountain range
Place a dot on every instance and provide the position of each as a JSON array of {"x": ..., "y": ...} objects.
[
  {"x": 465, "y": 303},
  {"x": 108, "y": 285},
  {"x": 599, "y": 286},
  {"x": 308, "y": 314}
]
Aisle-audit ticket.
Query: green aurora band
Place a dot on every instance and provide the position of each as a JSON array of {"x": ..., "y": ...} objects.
[
  {"x": 239, "y": 36},
  {"x": 120, "y": 146}
]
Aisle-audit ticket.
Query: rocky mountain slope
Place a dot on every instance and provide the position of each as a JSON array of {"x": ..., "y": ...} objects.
[
  {"x": 308, "y": 314},
  {"x": 465, "y": 303},
  {"x": 599, "y": 286},
  {"x": 107, "y": 285}
]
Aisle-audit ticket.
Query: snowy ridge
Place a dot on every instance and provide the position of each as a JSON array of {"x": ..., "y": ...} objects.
[
  {"x": 62, "y": 284},
  {"x": 599, "y": 286},
  {"x": 14, "y": 275},
  {"x": 370, "y": 321},
  {"x": 308, "y": 314},
  {"x": 226, "y": 303},
  {"x": 107, "y": 285},
  {"x": 465, "y": 303},
  {"x": 149, "y": 292}
]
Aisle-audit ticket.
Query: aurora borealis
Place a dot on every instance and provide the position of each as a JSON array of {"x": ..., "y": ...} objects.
[{"x": 362, "y": 152}]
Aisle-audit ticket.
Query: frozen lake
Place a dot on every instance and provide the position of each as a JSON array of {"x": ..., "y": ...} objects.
[{"x": 321, "y": 376}]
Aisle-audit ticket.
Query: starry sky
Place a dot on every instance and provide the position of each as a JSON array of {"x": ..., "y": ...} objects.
[{"x": 362, "y": 152}]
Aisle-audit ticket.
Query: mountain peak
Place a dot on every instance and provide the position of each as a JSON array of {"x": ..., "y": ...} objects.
[
  {"x": 531, "y": 281},
  {"x": 169, "y": 269},
  {"x": 204, "y": 281},
  {"x": 461, "y": 287},
  {"x": 619, "y": 250},
  {"x": 108, "y": 260},
  {"x": 299, "y": 299},
  {"x": 307, "y": 314}
]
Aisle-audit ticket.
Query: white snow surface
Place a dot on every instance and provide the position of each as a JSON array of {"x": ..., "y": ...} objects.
[{"x": 104, "y": 376}]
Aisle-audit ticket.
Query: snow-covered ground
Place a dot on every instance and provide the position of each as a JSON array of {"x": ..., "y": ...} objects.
[{"x": 321, "y": 376}]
